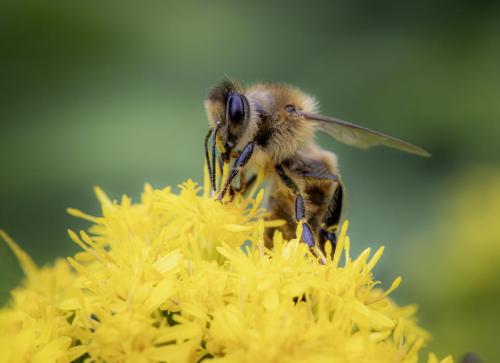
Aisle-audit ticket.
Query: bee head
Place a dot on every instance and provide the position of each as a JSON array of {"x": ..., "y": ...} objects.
[{"x": 228, "y": 111}]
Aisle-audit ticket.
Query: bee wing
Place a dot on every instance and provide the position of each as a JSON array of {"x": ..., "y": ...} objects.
[{"x": 359, "y": 136}]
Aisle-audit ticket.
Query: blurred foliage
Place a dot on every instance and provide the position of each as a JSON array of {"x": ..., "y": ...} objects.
[
  {"x": 456, "y": 266},
  {"x": 110, "y": 93}
]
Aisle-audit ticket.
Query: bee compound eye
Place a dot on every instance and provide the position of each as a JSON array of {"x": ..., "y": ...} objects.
[{"x": 236, "y": 108}]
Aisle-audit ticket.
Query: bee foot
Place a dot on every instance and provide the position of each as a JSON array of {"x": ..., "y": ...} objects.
[{"x": 308, "y": 236}]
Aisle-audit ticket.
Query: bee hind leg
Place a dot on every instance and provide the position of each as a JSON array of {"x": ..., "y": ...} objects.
[
  {"x": 327, "y": 230},
  {"x": 329, "y": 227}
]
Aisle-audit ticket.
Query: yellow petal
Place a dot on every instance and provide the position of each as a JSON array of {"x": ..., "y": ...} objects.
[
  {"x": 271, "y": 299},
  {"x": 27, "y": 264}
]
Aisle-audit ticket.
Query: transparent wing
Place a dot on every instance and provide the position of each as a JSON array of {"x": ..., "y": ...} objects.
[{"x": 359, "y": 136}]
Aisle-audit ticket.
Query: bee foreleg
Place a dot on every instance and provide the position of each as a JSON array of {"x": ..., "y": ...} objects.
[{"x": 240, "y": 162}]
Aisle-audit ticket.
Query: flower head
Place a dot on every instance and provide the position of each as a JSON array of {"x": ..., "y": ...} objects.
[{"x": 179, "y": 277}]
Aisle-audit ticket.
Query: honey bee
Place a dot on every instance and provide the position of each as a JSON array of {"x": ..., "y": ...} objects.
[{"x": 272, "y": 126}]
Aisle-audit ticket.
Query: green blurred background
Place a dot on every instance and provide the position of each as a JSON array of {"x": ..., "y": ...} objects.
[{"x": 111, "y": 94}]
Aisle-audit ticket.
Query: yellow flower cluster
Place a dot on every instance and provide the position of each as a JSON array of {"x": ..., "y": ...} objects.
[{"x": 180, "y": 277}]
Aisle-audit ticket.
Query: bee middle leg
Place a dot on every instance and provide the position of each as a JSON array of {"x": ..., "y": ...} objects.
[{"x": 300, "y": 210}]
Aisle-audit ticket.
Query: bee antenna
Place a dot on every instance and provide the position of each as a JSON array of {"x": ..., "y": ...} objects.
[{"x": 213, "y": 169}]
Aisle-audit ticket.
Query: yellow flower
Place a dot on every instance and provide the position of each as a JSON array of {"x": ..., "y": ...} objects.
[{"x": 180, "y": 277}]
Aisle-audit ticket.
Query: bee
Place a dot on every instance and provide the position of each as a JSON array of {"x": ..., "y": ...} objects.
[{"x": 271, "y": 126}]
